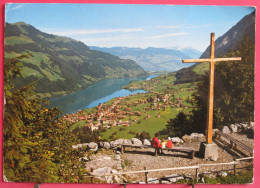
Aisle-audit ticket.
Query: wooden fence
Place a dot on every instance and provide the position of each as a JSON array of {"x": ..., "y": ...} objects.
[{"x": 197, "y": 167}]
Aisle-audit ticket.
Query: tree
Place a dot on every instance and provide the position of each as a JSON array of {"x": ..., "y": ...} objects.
[
  {"x": 234, "y": 86},
  {"x": 37, "y": 144},
  {"x": 233, "y": 95}
]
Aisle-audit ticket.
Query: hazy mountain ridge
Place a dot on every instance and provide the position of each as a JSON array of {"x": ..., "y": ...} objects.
[
  {"x": 154, "y": 59},
  {"x": 62, "y": 64}
]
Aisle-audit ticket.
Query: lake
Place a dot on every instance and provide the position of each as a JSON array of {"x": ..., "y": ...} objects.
[{"x": 99, "y": 92}]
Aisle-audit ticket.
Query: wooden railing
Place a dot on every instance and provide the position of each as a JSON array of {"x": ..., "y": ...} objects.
[{"x": 197, "y": 167}]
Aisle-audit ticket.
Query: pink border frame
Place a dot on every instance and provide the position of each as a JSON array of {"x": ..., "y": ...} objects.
[{"x": 255, "y": 3}]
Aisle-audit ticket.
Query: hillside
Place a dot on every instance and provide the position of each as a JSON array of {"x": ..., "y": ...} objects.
[
  {"x": 59, "y": 64},
  {"x": 154, "y": 59},
  {"x": 229, "y": 41}
]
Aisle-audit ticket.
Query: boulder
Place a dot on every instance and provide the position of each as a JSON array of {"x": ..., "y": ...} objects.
[
  {"x": 120, "y": 141},
  {"x": 196, "y": 135},
  {"x": 222, "y": 174},
  {"x": 114, "y": 144},
  {"x": 176, "y": 140},
  {"x": 127, "y": 141},
  {"x": 106, "y": 170},
  {"x": 136, "y": 141},
  {"x": 225, "y": 130},
  {"x": 79, "y": 146},
  {"x": 105, "y": 145},
  {"x": 234, "y": 128},
  {"x": 147, "y": 142},
  {"x": 186, "y": 138},
  {"x": 93, "y": 146}
]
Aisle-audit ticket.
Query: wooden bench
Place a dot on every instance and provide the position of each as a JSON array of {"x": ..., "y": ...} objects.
[
  {"x": 189, "y": 150},
  {"x": 235, "y": 143}
]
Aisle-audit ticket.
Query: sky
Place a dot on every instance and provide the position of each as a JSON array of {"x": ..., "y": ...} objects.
[{"x": 142, "y": 26}]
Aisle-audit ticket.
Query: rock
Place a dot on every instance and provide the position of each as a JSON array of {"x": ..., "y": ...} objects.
[
  {"x": 234, "y": 128},
  {"x": 127, "y": 141},
  {"x": 136, "y": 141},
  {"x": 196, "y": 135},
  {"x": 222, "y": 174},
  {"x": 176, "y": 140},
  {"x": 225, "y": 130},
  {"x": 173, "y": 180},
  {"x": 186, "y": 138},
  {"x": 153, "y": 181},
  {"x": 108, "y": 179},
  {"x": 213, "y": 158},
  {"x": 114, "y": 144},
  {"x": 85, "y": 159},
  {"x": 105, "y": 145},
  {"x": 93, "y": 146},
  {"x": 166, "y": 182},
  {"x": 79, "y": 146},
  {"x": 142, "y": 182},
  {"x": 118, "y": 157},
  {"x": 147, "y": 142},
  {"x": 120, "y": 141},
  {"x": 101, "y": 171}
]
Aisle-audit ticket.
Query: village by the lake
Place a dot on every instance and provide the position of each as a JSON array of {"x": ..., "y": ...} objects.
[{"x": 158, "y": 97}]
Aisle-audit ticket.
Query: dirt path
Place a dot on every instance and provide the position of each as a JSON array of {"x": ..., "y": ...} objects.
[{"x": 137, "y": 159}]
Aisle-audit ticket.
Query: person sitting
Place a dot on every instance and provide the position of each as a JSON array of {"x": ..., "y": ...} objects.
[
  {"x": 169, "y": 143},
  {"x": 156, "y": 141},
  {"x": 163, "y": 143}
]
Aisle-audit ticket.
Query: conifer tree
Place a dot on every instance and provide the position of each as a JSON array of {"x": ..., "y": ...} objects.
[{"x": 37, "y": 144}]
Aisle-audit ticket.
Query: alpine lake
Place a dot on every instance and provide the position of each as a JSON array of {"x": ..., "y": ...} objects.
[{"x": 99, "y": 92}]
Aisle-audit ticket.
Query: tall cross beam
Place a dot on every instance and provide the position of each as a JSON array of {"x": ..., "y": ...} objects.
[{"x": 211, "y": 60}]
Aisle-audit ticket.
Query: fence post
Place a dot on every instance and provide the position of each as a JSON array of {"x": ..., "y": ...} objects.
[
  {"x": 196, "y": 175},
  {"x": 146, "y": 176},
  {"x": 92, "y": 178},
  {"x": 235, "y": 165}
]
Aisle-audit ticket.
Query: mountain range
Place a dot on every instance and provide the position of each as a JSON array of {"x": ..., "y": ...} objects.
[
  {"x": 61, "y": 64},
  {"x": 154, "y": 59}
]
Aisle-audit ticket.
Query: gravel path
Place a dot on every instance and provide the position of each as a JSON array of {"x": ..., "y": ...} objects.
[{"x": 138, "y": 159}]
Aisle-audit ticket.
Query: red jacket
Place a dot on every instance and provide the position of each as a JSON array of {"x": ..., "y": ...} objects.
[
  {"x": 156, "y": 143},
  {"x": 169, "y": 144}
]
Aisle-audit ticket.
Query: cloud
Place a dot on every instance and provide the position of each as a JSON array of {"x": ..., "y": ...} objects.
[
  {"x": 168, "y": 26},
  {"x": 166, "y": 35},
  {"x": 15, "y": 6},
  {"x": 102, "y": 39},
  {"x": 198, "y": 26},
  {"x": 70, "y": 32}
]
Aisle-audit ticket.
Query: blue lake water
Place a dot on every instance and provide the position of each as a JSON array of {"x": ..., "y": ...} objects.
[{"x": 99, "y": 92}]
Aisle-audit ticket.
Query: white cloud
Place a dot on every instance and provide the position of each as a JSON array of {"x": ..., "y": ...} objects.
[
  {"x": 102, "y": 39},
  {"x": 15, "y": 6},
  {"x": 70, "y": 32},
  {"x": 168, "y": 26},
  {"x": 198, "y": 26},
  {"x": 166, "y": 35}
]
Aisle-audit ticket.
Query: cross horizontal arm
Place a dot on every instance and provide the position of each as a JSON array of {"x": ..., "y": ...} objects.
[{"x": 210, "y": 60}]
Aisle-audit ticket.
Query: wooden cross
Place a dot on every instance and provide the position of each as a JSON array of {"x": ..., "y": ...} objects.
[{"x": 211, "y": 61}]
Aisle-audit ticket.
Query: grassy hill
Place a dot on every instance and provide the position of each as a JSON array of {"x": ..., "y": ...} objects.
[{"x": 59, "y": 64}]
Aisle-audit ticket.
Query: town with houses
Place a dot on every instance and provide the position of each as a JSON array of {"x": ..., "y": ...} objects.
[{"x": 124, "y": 110}]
